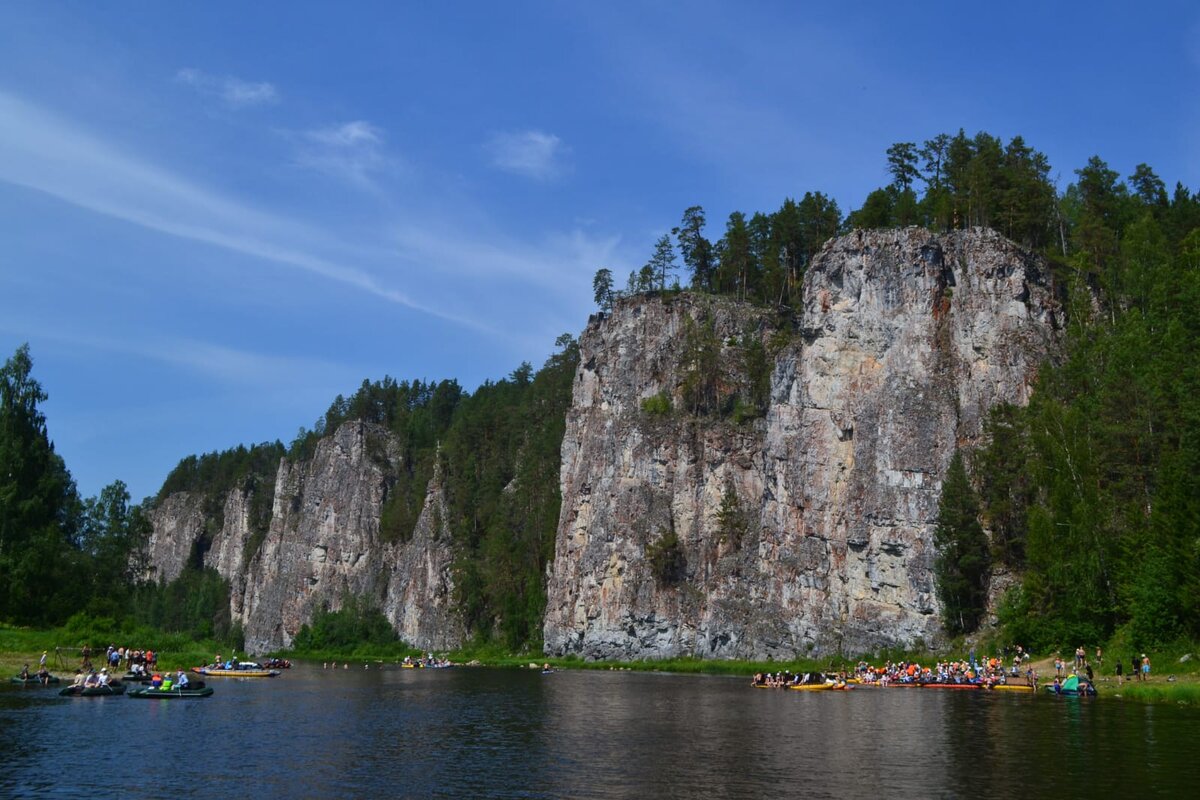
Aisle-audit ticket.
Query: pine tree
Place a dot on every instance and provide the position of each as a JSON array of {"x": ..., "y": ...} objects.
[{"x": 962, "y": 564}]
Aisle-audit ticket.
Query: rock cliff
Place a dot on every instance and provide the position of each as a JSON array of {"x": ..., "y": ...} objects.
[
  {"x": 808, "y": 530},
  {"x": 322, "y": 545}
]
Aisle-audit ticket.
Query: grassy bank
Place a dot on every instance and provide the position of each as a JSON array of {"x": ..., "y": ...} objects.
[
  {"x": 1181, "y": 692},
  {"x": 19, "y": 646}
]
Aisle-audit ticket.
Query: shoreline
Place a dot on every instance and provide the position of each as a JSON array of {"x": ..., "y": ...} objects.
[{"x": 20, "y": 646}]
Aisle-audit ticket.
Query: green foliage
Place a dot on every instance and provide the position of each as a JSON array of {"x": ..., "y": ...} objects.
[
  {"x": 731, "y": 518},
  {"x": 1091, "y": 491},
  {"x": 662, "y": 263},
  {"x": 195, "y": 604},
  {"x": 668, "y": 562},
  {"x": 602, "y": 286},
  {"x": 501, "y": 461},
  {"x": 40, "y": 566},
  {"x": 962, "y": 564},
  {"x": 1006, "y": 488},
  {"x": 657, "y": 404},
  {"x": 700, "y": 366},
  {"x": 969, "y": 181},
  {"x": 356, "y": 624},
  {"x": 761, "y": 259}
]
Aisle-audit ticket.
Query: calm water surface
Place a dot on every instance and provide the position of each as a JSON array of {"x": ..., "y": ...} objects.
[{"x": 513, "y": 733}]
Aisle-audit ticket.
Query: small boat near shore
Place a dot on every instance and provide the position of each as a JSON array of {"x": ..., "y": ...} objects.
[
  {"x": 34, "y": 680},
  {"x": 174, "y": 693}
]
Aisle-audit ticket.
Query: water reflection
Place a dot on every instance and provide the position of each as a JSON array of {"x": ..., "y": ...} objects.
[{"x": 500, "y": 733}]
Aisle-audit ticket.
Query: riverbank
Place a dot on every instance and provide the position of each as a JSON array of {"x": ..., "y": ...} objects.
[
  {"x": 63, "y": 648},
  {"x": 1172, "y": 681}
]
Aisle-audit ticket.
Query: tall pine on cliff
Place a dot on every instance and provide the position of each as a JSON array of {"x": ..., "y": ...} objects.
[{"x": 962, "y": 564}]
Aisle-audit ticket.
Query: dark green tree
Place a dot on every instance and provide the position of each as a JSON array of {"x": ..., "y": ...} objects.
[
  {"x": 697, "y": 251},
  {"x": 662, "y": 263},
  {"x": 962, "y": 565},
  {"x": 602, "y": 286},
  {"x": 902, "y": 165},
  {"x": 877, "y": 212},
  {"x": 737, "y": 272},
  {"x": 38, "y": 505},
  {"x": 732, "y": 523}
]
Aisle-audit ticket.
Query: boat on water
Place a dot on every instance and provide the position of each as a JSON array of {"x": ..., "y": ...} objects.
[
  {"x": 245, "y": 669},
  {"x": 1012, "y": 687},
  {"x": 108, "y": 690},
  {"x": 34, "y": 680},
  {"x": 236, "y": 673},
  {"x": 819, "y": 687},
  {"x": 970, "y": 687},
  {"x": 174, "y": 693}
]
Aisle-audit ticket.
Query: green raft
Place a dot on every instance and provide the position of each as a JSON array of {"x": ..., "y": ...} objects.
[
  {"x": 150, "y": 693},
  {"x": 33, "y": 680},
  {"x": 93, "y": 691}
]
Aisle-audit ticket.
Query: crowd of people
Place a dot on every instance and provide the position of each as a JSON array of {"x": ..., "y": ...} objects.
[
  {"x": 990, "y": 671},
  {"x": 115, "y": 659},
  {"x": 786, "y": 678},
  {"x": 994, "y": 670}
]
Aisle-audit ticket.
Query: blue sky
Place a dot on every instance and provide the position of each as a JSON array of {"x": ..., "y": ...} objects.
[{"x": 215, "y": 218}]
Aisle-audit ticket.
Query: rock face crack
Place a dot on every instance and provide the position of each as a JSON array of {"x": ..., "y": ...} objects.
[{"x": 904, "y": 342}]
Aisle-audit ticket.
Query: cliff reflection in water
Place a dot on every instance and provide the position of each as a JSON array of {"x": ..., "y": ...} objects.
[{"x": 516, "y": 733}]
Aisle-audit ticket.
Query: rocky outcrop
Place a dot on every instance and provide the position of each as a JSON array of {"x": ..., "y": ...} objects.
[
  {"x": 906, "y": 339},
  {"x": 322, "y": 546}
]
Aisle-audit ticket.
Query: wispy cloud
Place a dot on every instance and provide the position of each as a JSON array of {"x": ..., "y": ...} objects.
[
  {"x": 214, "y": 361},
  {"x": 534, "y": 154},
  {"x": 42, "y": 152},
  {"x": 234, "y": 92},
  {"x": 353, "y": 152}
]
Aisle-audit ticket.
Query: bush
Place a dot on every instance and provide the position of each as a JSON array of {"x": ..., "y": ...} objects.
[
  {"x": 358, "y": 623},
  {"x": 668, "y": 563},
  {"x": 657, "y": 404}
]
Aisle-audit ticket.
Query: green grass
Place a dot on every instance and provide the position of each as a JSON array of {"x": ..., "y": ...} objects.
[
  {"x": 19, "y": 646},
  {"x": 1181, "y": 692}
]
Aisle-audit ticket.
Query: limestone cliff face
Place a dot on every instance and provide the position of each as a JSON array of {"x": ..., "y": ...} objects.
[
  {"x": 906, "y": 340},
  {"x": 322, "y": 545}
]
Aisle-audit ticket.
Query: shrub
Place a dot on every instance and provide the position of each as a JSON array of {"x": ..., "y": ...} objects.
[
  {"x": 657, "y": 404},
  {"x": 668, "y": 563}
]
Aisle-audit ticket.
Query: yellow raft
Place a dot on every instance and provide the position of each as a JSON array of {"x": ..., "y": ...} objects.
[{"x": 237, "y": 673}]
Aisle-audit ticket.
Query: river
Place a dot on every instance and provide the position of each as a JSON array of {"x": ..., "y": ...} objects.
[{"x": 469, "y": 733}]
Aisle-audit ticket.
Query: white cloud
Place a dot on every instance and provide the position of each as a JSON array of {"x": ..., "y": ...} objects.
[
  {"x": 234, "y": 92},
  {"x": 42, "y": 152},
  {"x": 214, "y": 361},
  {"x": 353, "y": 152},
  {"x": 534, "y": 154}
]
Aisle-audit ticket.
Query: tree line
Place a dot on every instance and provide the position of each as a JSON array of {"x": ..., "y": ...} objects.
[
  {"x": 63, "y": 556},
  {"x": 1091, "y": 493}
]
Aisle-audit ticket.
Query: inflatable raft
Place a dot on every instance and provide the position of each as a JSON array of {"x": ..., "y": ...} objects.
[
  {"x": 169, "y": 694},
  {"x": 94, "y": 691}
]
